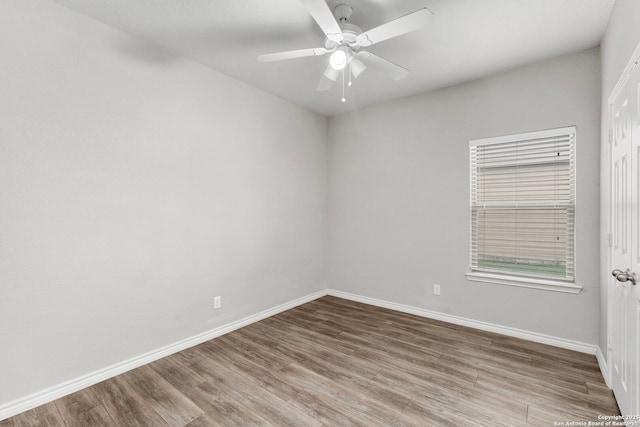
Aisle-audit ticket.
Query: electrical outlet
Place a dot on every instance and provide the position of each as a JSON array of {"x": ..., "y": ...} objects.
[
  {"x": 436, "y": 289},
  {"x": 217, "y": 302}
]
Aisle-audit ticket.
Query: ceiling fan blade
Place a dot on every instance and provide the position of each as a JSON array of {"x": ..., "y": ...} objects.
[
  {"x": 321, "y": 13},
  {"x": 330, "y": 75},
  {"x": 394, "y": 71},
  {"x": 291, "y": 54},
  {"x": 406, "y": 24}
]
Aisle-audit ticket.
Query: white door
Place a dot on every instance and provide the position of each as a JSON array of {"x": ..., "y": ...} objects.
[{"x": 625, "y": 252}]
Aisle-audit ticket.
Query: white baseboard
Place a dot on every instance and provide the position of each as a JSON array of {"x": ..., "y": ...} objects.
[
  {"x": 52, "y": 393},
  {"x": 604, "y": 367},
  {"x": 457, "y": 320}
]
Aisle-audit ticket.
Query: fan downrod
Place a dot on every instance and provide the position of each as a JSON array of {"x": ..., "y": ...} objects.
[{"x": 342, "y": 13}]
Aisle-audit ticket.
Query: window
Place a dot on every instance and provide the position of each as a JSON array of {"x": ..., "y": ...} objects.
[{"x": 523, "y": 208}]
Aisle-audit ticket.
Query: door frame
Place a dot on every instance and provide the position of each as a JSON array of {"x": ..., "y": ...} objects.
[{"x": 633, "y": 62}]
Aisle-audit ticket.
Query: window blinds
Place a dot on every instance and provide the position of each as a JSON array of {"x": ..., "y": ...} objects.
[{"x": 523, "y": 204}]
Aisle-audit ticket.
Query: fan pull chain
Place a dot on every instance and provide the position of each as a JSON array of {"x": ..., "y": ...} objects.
[
  {"x": 343, "y": 98},
  {"x": 349, "y": 72}
]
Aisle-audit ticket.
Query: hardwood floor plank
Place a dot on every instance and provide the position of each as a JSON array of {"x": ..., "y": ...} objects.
[
  {"x": 437, "y": 335},
  {"x": 320, "y": 350},
  {"x": 388, "y": 346},
  {"x": 432, "y": 415},
  {"x": 336, "y": 367},
  {"x": 222, "y": 408},
  {"x": 588, "y": 370},
  {"x": 247, "y": 392},
  {"x": 475, "y": 355},
  {"x": 265, "y": 378},
  {"x": 266, "y": 356},
  {"x": 191, "y": 355},
  {"x": 334, "y": 343},
  {"x": 96, "y": 416},
  {"x": 414, "y": 386},
  {"x": 182, "y": 376},
  {"x": 356, "y": 406},
  {"x": 44, "y": 415},
  {"x": 600, "y": 389},
  {"x": 542, "y": 416},
  {"x": 312, "y": 324},
  {"x": 502, "y": 406},
  {"x": 326, "y": 410},
  {"x": 334, "y": 362},
  {"x": 205, "y": 421},
  {"x": 387, "y": 314},
  {"x": 544, "y": 351},
  {"x": 125, "y": 406},
  {"x": 75, "y": 404},
  {"x": 544, "y": 396},
  {"x": 174, "y": 407},
  {"x": 536, "y": 377},
  {"x": 348, "y": 372},
  {"x": 435, "y": 413},
  {"x": 408, "y": 330}
]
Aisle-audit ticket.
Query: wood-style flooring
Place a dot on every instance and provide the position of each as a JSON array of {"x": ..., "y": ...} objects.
[{"x": 334, "y": 362}]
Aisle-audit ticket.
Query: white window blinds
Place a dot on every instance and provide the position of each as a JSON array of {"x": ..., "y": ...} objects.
[{"x": 523, "y": 204}]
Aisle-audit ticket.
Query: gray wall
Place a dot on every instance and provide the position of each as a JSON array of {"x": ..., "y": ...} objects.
[
  {"x": 399, "y": 195},
  {"x": 134, "y": 189},
  {"x": 619, "y": 42}
]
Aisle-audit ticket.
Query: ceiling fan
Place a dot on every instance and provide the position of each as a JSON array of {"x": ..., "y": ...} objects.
[{"x": 344, "y": 41}]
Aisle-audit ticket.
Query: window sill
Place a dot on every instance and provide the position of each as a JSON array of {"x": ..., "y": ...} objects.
[{"x": 525, "y": 282}]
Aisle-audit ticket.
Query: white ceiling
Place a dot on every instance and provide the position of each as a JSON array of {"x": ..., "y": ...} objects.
[{"x": 467, "y": 40}]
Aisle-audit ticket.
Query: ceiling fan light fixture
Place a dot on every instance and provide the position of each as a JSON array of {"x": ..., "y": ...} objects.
[
  {"x": 356, "y": 66},
  {"x": 339, "y": 59},
  {"x": 331, "y": 73}
]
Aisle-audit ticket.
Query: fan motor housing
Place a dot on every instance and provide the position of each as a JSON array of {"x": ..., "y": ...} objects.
[
  {"x": 350, "y": 32},
  {"x": 342, "y": 13}
]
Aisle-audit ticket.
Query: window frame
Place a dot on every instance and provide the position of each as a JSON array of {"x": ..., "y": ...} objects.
[{"x": 512, "y": 278}]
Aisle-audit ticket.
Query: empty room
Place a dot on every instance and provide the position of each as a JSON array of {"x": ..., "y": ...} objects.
[{"x": 320, "y": 213}]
